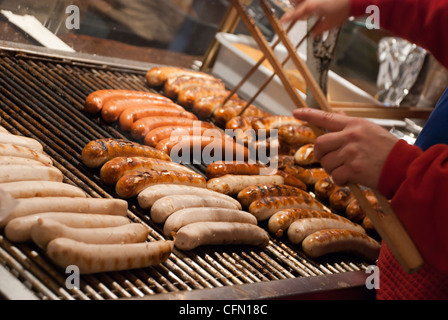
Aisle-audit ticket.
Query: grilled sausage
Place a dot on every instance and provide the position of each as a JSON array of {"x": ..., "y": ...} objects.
[
  {"x": 157, "y": 76},
  {"x": 257, "y": 191},
  {"x": 173, "y": 86},
  {"x": 13, "y": 173},
  {"x": 141, "y": 127},
  {"x": 300, "y": 229},
  {"x": 296, "y": 135},
  {"x": 30, "y": 189},
  {"x": 241, "y": 122},
  {"x": 19, "y": 229},
  {"x": 116, "y": 168},
  {"x": 130, "y": 115},
  {"x": 96, "y": 100},
  {"x": 98, "y": 152},
  {"x": 221, "y": 168},
  {"x": 161, "y": 133},
  {"x": 265, "y": 207},
  {"x": 28, "y": 206},
  {"x": 233, "y": 184},
  {"x": 151, "y": 194},
  {"x": 340, "y": 241},
  {"x": 164, "y": 207},
  {"x": 290, "y": 180},
  {"x": 354, "y": 211},
  {"x": 44, "y": 231},
  {"x": 305, "y": 155},
  {"x": 8, "y": 160},
  {"x": 233, "y": 108},
  {"x": 10, "y": 150},
  {"x": 323, "y": 188},
  {"x": 212, "y": 148},
  {"x": 183, "y": 217},
  {"x": 340, "y": 198},
  {"x": 220, "y": 233},
  {"x": 114, "y": 108},
  {"x": 132, "y": 184},
  {"x": 275, "y": 122},
  {"x": 280, "y": 221},
  {"x": 308, "y": 176},
  {"x": 94, "y": 258},
  {"x": 21, "y": 141},
  {"x": 281, "y": 161},
  {"x": 187, "y": 97}
]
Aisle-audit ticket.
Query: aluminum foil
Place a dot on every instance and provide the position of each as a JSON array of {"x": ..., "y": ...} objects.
[{"x": 400, "y": 65}]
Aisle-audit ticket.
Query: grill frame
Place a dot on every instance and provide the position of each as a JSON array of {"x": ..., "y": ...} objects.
[{"x": 230, "y": 273}]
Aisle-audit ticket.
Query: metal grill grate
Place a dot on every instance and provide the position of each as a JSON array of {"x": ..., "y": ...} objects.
[{"x": 43, "y": 97}]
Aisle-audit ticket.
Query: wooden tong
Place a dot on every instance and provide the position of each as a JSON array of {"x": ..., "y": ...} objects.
[{"x": 387, "y": 225}]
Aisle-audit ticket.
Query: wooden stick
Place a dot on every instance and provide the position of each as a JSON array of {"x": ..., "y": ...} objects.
[
  {"x": 388, "y": 226},
  {"x": 269, "y": 53}
]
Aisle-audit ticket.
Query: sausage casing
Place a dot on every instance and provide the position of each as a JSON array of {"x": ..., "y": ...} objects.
[
  {"x": 132, "y": 184},
  {"x": 296, "y": 135},
  {"x": 94, "y": 258},
  {"x": 117, "y": 167},
  {"x": 157, "y": 76},
  {"x": 143, "y": 126},
  {"x": 233, "y": 184},
  {"x": 265, "y": 207},
  {"x": 166, "y": 206},
  {"x": 11, "y": 150},
  {"x": 187, "y": 216},
  {"x": 220, "y": 233},
  {"x": 221, "y": 168},
  {"x": 151, "y": 194},
  {"x": 98, "y": 152},
  {"x": 300, "y": 229},
  {"x": 340, "y": 241},
  {"x": 11, "y": 173},
  {"x": 258, "y": 191},
  {"x": 30, "y": 189}
]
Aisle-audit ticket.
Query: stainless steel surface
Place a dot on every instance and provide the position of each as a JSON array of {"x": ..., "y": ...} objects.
[{"x": 42, "y": 96}]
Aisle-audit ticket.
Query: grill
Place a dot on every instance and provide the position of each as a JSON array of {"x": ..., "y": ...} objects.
[{"x": 42, "y": 96}]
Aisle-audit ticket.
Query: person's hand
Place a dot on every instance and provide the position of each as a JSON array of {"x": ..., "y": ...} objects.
[
  {"x": 333, "y": 13},
  {"x": 354, "y": 150}
]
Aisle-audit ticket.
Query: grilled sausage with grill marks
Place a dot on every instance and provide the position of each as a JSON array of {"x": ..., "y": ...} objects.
[
  {"x": 221, "y": 168},
  {"x": 116, "y": 168},
  {"x": 141, "y": 127},
  {"x": 21, "y": 141},
  {"x": 98, "y": 152},
  {"x": 280, "y": 221},
  {"x": 28, "y": 206},
  {"x": 151, "y": 194},
  {"x": 96, "y": 100},
  {"x": 158, "y": 134},
  {"x": 94, "y": 258},
  {"x": 220, "y": 233},
  {"x": 132, "y": 184},
  {"x": 173, "y": 86},
  {"x": 114, "y": 108},
  {"x": 11, "y": 173},
  {"x": 257, "y": 191},
  {"x": 166, "y": 206},
  {"x": 305, "y": 155},
  {"x": 30, "y": 189},
  {"x": 46, "y": 230},
  {"x": 183, "y": 217},
  {"x": 265, "y": 207},
  {"x": 296, "y": 135},
  {"x": 130, "y": 115},
  {"x": 340, "y": 241},
  {"x": 233, "y": 184},
  {"x": 300, "y": 229},
  {"x": 11, "y": 150},
  {"x": 157, "y": 76},
  {"x": 222, "y": 147},
  {"x": 19, "y": 229}
]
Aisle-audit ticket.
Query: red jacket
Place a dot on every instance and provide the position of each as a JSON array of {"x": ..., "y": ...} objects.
[{"x": 416, "y": 181}]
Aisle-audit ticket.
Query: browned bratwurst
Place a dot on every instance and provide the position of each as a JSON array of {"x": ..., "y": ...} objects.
[{"x": 98, "y": 152}]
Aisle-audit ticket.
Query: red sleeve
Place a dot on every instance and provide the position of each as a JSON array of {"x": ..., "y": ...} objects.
[
  {"x": 417, "y": 183},
  {"x": 423, "y": 22}
]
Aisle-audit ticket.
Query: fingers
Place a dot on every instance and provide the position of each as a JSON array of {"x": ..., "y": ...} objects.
[
  {"x": 326, "y": 120},
  {"x": 302, "y": 11}
]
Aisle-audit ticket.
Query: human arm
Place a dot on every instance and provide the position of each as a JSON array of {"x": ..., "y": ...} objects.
[
  {"x": 415, "y": 181},
  {"x": 420, "y": 21}
]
